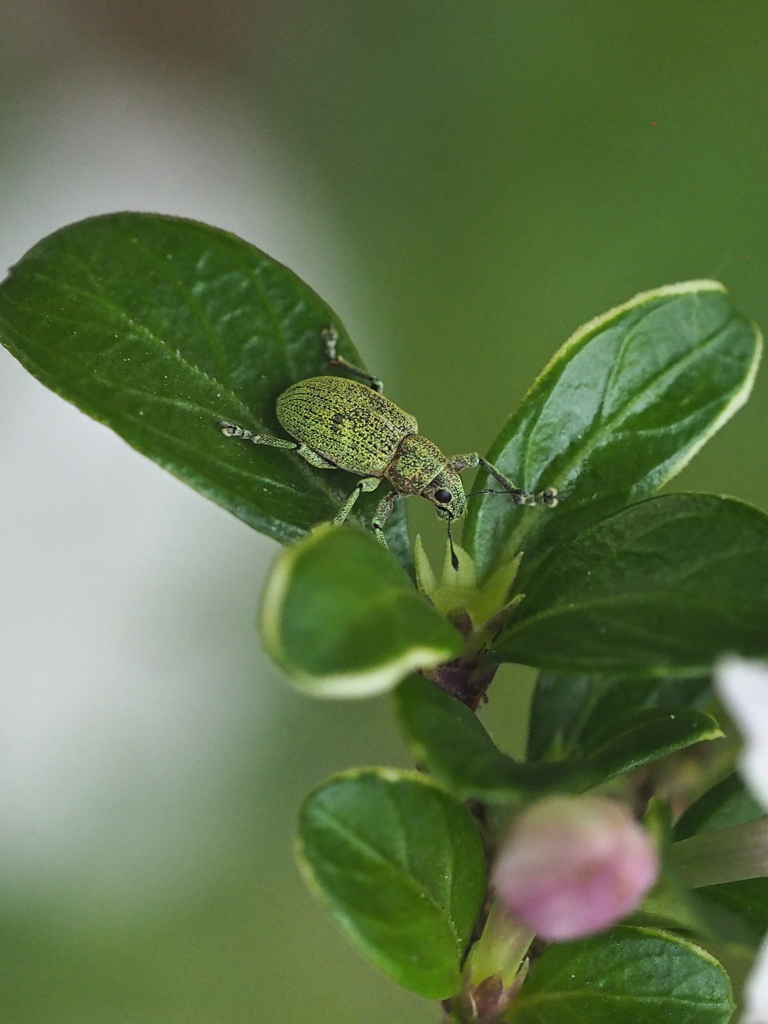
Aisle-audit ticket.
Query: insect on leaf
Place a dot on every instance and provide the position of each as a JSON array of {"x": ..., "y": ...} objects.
[{"x": 159, "y": 327}]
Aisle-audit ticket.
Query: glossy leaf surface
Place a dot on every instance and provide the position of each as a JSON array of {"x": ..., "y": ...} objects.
[
  {"x": 452, "y": 742},
  {"x": 400, "y": 865},
  {"x": 620, "y": 409},
  {"x": 344, "y": 620},
  {"x": 625, "y": 976},
  {"x": 158, "y": 327},
  {"x": 662, "y": 587}
]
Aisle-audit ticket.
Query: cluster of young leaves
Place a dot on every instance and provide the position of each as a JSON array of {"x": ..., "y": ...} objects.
[{"x": 160, "y": 327}]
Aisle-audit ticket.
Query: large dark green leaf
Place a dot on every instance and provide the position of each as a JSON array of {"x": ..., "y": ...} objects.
[
  {"x": 400, "y": 865},
  {"x": 620, "y": 409},
  {"x": 662, "y": 587},
  {"x": 570, "y": 709},
  {"x": 625, "y": 976},
  {"x": 450, "y": 740},
  {"x": 159, "y": 327},
  {"x": 344, "y": 620}
]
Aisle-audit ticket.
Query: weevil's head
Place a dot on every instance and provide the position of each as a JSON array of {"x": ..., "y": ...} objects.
[{"x": 446, "y": 492}]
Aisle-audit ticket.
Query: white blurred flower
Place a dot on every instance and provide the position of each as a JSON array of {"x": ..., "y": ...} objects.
[{"x": 743, "y": 687}]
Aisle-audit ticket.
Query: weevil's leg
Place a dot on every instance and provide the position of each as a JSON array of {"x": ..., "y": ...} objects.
[
  {"x": 314, "y": 458},
  {"x": 368, "y": 483},
  {"x": 518, "y": 494},
  {"x": 383, "y": 512},
  {"x": 231, "y": 430},
  {"x": 311, "y": 456},
  {"x": 330, "y": 337},
  {"x": 471, "y": 461}
]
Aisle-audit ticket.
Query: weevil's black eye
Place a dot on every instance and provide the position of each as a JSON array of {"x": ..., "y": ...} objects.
[{"x": 443, "y": 496}]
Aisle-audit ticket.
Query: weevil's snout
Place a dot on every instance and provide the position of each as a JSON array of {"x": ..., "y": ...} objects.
[{"x": 446, "y": 492}]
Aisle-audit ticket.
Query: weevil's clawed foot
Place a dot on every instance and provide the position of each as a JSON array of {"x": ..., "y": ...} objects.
[
  {"x": 330, "y": 337},
  {"x": 547, "y": 497},
  {"x": 232, "y": 430}
]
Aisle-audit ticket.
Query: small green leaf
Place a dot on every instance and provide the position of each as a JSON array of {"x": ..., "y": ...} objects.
[
  {"x": 672, "y": 904},
  {"x": 625, "y": 976},
  {"x": 746, "y": 900},
  {"x": 619, "y": 410},
  {"x": 158, "y": 327},
  {"x": 728, "y": 869},
  {"x": 724, "y": 855},
  {"x": 646, "y": 736},
  {"x": 662, "y": 587},
  {"x": 724, "y": 806},
  {"x": 568, "y": 709},
  {"x": 450, "y": 740},
  {"x": 400, "y": 865},
  {"x": 343, "y": 619}
]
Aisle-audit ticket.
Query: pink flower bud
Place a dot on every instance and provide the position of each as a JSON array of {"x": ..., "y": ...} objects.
[{"x": 572, "y": 866}]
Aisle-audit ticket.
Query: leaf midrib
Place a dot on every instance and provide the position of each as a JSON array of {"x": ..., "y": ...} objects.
[{"x": 399, "y": 873}]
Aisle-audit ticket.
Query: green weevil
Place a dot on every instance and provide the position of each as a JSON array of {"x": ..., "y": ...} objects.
[{"x": 340, "y": 423}]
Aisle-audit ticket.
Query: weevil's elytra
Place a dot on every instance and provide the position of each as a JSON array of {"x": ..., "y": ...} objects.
[
  {"x": 340, "y": 423},
  {"x": 351, "y": 425}
]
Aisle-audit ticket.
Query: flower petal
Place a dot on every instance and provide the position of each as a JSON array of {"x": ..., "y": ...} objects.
[{"x": 743, "y": 686}]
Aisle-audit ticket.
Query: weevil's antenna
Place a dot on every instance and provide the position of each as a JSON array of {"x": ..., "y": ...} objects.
[
  {"x": 454, "y": 557},
  {"x": 486, "y": 490},
  {"x": 546, "y": 497}
]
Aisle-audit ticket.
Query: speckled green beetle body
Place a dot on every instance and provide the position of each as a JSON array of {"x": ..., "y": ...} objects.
[
  {"x": 340, "y": 423},
  {"x": 353, "y": 426}
]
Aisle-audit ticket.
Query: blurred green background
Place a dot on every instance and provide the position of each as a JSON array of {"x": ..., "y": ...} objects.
[{"x": 467, "y": 183}]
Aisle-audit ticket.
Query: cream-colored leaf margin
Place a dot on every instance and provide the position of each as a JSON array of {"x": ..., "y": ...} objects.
[
  {"x": 347, "y": 921},
  {"x": 379, "y": 679},
  {"x": 591, "y": 327}
]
